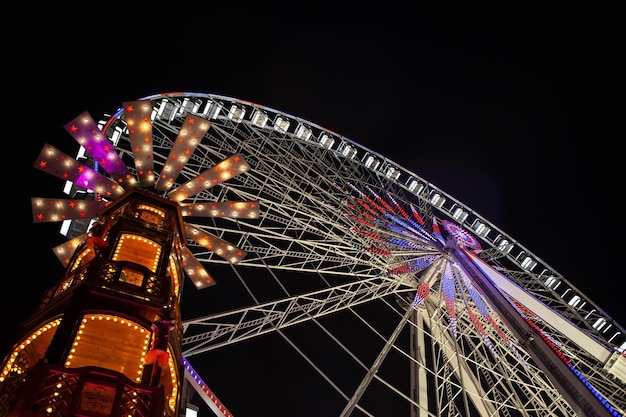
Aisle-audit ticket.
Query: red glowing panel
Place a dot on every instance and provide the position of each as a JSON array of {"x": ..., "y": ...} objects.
[
  {"x": 138, "y": 118},
  {"x": 189, "y": 137},
  {"x": 221, "y": 172},
  {"x": 195, "y": 271},
  {"x": 220, "y": 247},
  {"x": 86, "y": 132},
  {"x": 229, "y": 209},
  {"x": 58, "y": 209},
  {"x": 61, "y": 165}
]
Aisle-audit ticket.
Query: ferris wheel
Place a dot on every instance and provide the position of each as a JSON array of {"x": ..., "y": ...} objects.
[{"x": 357, "y": 288}]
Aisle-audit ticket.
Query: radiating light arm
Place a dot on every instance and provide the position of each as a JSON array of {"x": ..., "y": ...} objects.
[
  {"x": 189, "y": 137},
  {"x": 195, "y": 271},
  {"x": 59, "y": 209},
  {"x": 228, "y": 209},
  {"x": 220, "y": 247},
  {"x": 138, "y": 118},
  {"x": 61, "y": 165},
  {"x": 86, "y": 132},
  {"x": 65, "y": 251},
  {"x": 225, "y": 170}
]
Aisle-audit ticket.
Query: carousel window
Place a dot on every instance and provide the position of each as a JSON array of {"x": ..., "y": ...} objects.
[
  {"x": 151, "y": 214},
  {"x": 138, "y": 249}
]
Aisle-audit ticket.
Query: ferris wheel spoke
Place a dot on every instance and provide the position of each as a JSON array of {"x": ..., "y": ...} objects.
[{"x": 245, "y": 322}]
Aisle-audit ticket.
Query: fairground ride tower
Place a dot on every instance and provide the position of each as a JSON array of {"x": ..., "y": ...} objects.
[{"x": 105, "y": 341}]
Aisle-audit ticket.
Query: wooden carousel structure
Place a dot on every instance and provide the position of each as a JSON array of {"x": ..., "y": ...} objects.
[{"x": 105, "y": 341}]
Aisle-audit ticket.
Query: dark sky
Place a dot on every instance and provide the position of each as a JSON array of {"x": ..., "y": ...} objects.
[{"x": 515, "y": 110}]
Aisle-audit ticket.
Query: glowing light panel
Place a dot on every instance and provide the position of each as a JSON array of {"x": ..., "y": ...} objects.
[
  {"x": 137, "y": 115},
  {"x": 221, "y": 247},
  {"x": 59, "y": 209},
  {"x": 230, "y": 209},
  {"x": 194, "y": 270},
  {"x": 86, "y": 132},
  {"x": 223, "y": 171},
  {"x": 61, "y": 165},
  {"x": 189, "y": 137}
]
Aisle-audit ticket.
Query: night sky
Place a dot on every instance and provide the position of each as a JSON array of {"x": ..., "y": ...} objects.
[{"x": 515, "y": 110}]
